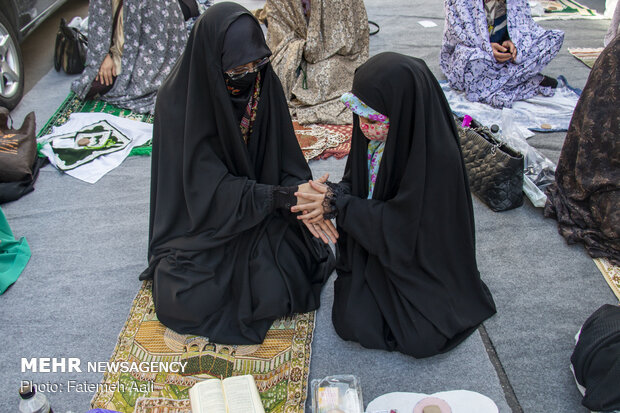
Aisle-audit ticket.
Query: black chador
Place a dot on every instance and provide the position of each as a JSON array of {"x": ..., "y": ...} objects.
[
  {"x": 407, "y": 273},
  {"x": 224, "y": 258}
]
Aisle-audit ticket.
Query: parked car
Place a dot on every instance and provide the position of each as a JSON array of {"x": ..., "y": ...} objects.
[{"x": 18, "y": 18}]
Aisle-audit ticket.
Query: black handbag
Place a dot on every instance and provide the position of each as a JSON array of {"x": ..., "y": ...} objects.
[
  {"x": 189, "y": 8},
  {"x": 70, "y": 49},
  {"x": 494, "y": 170}
]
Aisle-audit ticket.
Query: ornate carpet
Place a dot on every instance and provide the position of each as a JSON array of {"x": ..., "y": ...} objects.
[
  {"x": 611, "y": 274},
  {"x": 316, "y": 141},
  {"x": 280, "y": 365},
  {"x": 587, "y": 55}
]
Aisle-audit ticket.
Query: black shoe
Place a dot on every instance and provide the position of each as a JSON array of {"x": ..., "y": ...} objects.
[{"x": 549, "y": 81}]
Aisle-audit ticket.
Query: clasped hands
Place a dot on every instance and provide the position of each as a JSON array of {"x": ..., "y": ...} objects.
[
  {"x": 505, "y": 51},
  {"x": 310, "y": 199}
]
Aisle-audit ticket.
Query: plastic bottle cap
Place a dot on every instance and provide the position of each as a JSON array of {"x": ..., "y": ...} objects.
[{"x": 26, "y": 392}]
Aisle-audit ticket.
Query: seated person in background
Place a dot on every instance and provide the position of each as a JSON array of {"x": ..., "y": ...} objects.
[
  {"x": 132, "y": 46},
  {"x": 494, "y": 51},
  {"x": 226, "y": 256},
  {"x": 585, "y": 197},
  {"x": 407, "y": 273},
  {"x": 317, "y": 45}
]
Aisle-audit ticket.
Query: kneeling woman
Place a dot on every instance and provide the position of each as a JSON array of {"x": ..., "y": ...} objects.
[
  {"x": 407, "y": 273},
  {"x": 225, "y": 254}
]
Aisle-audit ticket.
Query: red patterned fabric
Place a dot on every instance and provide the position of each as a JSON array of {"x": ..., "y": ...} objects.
[
  {"x": 343, "y": 149},
  {"x": 339, "y": 151}
]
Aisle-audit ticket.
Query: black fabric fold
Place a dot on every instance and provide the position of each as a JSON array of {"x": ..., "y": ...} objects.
[
  {"x": 407, "y": 273},
  {"x": 596, "y": 359},
  {"x": 225, "y": 263}
]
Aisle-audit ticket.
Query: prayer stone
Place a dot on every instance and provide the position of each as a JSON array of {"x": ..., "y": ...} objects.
[
  {"x": 545, "y": 126},
  {"x": 83, "y": 142}
]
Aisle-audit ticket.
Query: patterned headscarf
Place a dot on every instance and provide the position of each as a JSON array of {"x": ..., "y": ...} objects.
[{"x": 361, "y": 109}]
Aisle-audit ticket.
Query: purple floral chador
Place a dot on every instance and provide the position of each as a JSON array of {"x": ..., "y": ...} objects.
[{"x": 467, "y": 58}]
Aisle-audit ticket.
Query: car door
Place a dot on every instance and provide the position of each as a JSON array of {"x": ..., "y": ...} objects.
[{"x": 29, "y": 11}]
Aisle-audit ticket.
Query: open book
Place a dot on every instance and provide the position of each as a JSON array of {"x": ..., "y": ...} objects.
[{"x": 236, "y": 394}]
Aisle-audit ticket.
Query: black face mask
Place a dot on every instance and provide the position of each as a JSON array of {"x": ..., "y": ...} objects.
[{"x": 240, "y": 86}]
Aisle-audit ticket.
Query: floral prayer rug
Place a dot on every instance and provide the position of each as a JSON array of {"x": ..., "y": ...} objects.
[
  {"x": 323, "y": 141},
  {"x": 611, "y": 274},
  {"x": 587, "y": 55},
  {"x": 280, "y": 365},
  {"x": 74, "y": 104}
]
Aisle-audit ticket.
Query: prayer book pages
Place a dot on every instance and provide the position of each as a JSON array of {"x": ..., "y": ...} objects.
[{"x": 236, "y": 394}]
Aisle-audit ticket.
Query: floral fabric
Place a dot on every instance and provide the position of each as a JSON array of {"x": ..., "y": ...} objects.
[
  {"x": 315, "y": 59},
  {"x": 376, "y": 135},
  {"x": 247, "y": 121},
  {"x": 375, "y": 153},
  {"x": 375, "y": 131},
  {"x": 586, "y": 193},
  {"x": 155, "y": 36},
  {"x": 361, "y": 109},
  {"x": 467, "y": 59}
]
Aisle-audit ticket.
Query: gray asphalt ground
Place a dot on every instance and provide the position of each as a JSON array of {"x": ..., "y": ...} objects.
[{"x": 89, "y": 245}]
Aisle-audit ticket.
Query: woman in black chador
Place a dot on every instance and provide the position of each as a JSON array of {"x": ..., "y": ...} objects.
[
  {"x": 407, "y": 273},
  {"x": 225, "y": 254}
]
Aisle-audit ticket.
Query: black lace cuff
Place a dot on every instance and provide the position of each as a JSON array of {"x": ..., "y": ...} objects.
[
  {"x": 284, "y": 197},
  {"x": 329, "y": 203}
]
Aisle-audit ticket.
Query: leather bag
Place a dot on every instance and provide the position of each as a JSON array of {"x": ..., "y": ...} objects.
[
  {"x": 494, "y": 170},
  {"x": 70, "y": 49},
  {"x": 19, "y": 163},
  {"x": 18, "y": 148},
  {"x": 189, "y": 8}
]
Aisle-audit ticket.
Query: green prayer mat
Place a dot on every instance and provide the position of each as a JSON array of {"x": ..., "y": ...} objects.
[
  {"x": 74, "y": 104},
  {"x": 568, "y": 8},
  {"x": 14, "y": 255},
  {"x": 280, "y": 365}
]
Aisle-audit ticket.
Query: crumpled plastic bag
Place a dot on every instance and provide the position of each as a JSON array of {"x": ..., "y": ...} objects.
[{"x": 538, "y": 172}]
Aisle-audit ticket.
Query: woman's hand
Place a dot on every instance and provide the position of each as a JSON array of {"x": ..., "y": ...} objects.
[
  {"x": 312, "y": 205},
  {"x": 510, "y": 46},
  {"x": 107, "y": 71},
  {"x": 307, "y": 188},
  {"x": 502, "y": 53},
  {"x": 325, "y": 230},
  {"x": 319, "y": 227}
]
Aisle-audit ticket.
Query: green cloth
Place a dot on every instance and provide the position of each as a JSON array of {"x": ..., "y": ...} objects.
[
  {"x": 74, "y": 104},
  {"x": 14, "y": 255}
]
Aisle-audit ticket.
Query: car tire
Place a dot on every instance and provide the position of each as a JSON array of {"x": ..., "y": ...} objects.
[{"x": 11, "y": 65}]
